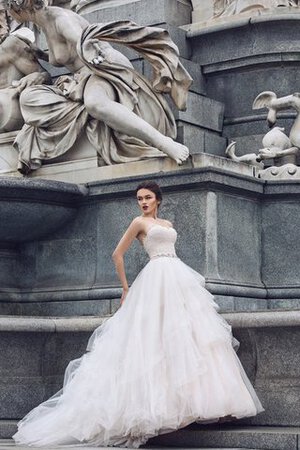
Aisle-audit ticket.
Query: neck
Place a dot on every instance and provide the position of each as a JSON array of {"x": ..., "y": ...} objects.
[
  {"x": 150, "y": 216},
  {"x": 38, "y": 17}
]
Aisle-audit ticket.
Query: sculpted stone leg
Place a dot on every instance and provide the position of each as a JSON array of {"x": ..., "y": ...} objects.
[
  {"x": 100, "y": 104},
  {"x": 52, "y": 124}
]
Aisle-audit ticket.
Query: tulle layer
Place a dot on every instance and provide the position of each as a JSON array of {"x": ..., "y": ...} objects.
[{"x": 164, "y": 360}]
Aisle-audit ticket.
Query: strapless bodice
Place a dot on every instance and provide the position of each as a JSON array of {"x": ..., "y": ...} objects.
[{"x": 160, "y": 241}]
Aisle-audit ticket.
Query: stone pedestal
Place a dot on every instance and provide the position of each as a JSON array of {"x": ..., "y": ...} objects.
[{"x": 225, "y": 220}]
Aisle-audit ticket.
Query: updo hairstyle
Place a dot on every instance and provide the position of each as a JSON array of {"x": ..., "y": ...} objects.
[{"x": 151, "y": 186}]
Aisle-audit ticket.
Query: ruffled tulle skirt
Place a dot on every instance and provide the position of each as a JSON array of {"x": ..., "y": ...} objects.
[{"x": 164, "y": 360}]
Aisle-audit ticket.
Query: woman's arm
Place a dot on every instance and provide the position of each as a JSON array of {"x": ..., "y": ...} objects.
[{"x": 131, "y": 233}]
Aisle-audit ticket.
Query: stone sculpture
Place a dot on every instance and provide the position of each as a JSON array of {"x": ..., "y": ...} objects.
[
  {"x": 231, "y": 7},
  {"x": 76, "y": 5},
  {"x": 124, "y": 116},
  {"x": 277, "y": 146},
  {"x": 19, "y": 68},
  {"x": 211, "y": 9},
  {"x": 249, "y": 158}
]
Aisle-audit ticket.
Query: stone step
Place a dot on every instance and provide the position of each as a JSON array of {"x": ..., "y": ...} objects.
[
  {"x": 237, "y": 437},
  {"x": 7, "y": 429},
  {"x": 7, "y": 444},
  {"x": 217, "y": 437}
]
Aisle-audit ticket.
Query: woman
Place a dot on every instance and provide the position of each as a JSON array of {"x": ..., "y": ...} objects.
[
  {"x": 124, "y": 116},
  {"x": 164, "y": 360}
]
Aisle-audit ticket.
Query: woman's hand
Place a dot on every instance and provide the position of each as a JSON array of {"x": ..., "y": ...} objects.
[
  {"x": 124, "y": 293},
  {"x": 93, "y": 52}
]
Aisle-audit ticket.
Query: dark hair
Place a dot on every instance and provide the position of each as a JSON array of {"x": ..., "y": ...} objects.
[{"x": 151, "y": 186}]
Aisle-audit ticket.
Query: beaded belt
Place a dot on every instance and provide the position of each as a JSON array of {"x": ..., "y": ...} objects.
[{"x": 164, "y": 255}]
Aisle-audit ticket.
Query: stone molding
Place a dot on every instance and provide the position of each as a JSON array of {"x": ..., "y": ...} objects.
[
  {"x": 237, "y": 320},
  {"x": 198, "y": 29}
]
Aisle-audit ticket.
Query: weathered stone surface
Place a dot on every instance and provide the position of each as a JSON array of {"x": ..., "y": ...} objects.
[
  {"x": 251, "y": 36},
  {"x": 239, "y": 241},
  {"x": 63, "y": 308},
  {"x": 200, "y": 140},
  {"x": 258, "y": 438},
  {"x": 281, "y": 246},
  {"x": 7, "y": 429},
  {"x": 202, "y": 111},
  {"x": 143, "y": 12}
]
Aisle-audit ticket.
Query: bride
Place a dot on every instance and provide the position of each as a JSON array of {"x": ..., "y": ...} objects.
[{"x": 163, "y": 361}]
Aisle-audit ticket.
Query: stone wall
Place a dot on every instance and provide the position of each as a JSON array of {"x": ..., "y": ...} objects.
[{"x": 238, "y": 231}]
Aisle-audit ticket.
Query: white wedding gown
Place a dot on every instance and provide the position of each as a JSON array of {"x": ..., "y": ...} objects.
[{"x": 164, "y": 360}]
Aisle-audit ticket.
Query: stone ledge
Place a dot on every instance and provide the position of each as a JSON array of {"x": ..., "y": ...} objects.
[
  {"x": 198, "y": 170},
  {"x": 198, "y": 29},
  {"x": 264, "y": 438},
  {"x": 108, "y": 176},
  {"x": 263, "y": 319},
  {"x": 194, "y": 435},
  {"x": 7, "y": 444},
  {"x": 50, "y": 325},
  {"x": 252, "y": 61},
  {"x": 237, "y": 320}
]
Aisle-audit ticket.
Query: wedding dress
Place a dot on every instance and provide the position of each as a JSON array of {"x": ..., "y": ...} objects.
[{"x": 164, "y": 360}]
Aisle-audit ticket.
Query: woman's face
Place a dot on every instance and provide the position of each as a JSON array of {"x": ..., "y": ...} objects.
[{"x": 147, "y": 202}]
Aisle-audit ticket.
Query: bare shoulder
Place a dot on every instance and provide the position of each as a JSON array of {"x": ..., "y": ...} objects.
[
  {"x": 64, "y": 17},
  {"x": 138, "y": 223},
  {"x": 61, "y": 21}
]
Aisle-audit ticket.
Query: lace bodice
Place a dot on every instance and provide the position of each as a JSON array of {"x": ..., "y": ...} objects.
[{"x": 160, "y": 241}]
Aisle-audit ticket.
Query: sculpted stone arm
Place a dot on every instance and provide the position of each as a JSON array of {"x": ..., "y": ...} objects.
[
  {"x": 32, "y": 79},
  {"x": 18, "y": 53},
  {"x": 96, "y": 50},
  {"x": 154, "y": 44}
]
